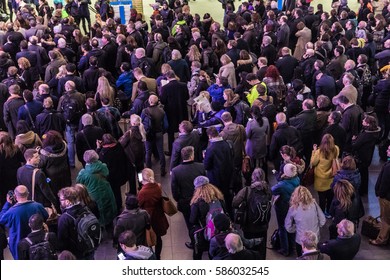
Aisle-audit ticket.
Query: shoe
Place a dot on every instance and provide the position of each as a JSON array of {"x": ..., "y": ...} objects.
[
  {"x": 284, "y": 253},
  {"x": 168, "y": 154},
  {"x": 376, "y": 243},
  {"x": 163, "y": 173},
  {"x": 189, "y": 245}
]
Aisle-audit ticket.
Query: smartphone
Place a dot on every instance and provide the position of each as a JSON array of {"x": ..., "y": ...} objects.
[
  {"x": 140, "y": 177},
  {"x": 121, "y": 256}
]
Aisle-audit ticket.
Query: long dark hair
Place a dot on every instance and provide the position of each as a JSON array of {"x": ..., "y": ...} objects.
[{"x": 256, "y": 114}]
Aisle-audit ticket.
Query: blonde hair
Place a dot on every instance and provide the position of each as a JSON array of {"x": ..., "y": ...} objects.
[
  {"x": 61, "y": 72},
  {"x": 24, "y": 63},
  {"x": 194, "y": 54},
  {"x": 135, "y": 120},
  {"x": 148, "y": 175},
  {"x": 207, "y": 192},
  {"x": 343, "y": 192},
  {"x": 301, "y": 196},
  {"x": 105, "y": 90}
]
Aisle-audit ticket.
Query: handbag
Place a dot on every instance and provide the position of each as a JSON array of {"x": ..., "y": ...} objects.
[
  {"x": 371, "y": 227},
  {"x": 335, "y": 166},
  {"x": 168, "y": 206},
  {"x": 51, "y": 211},
  {"x": 151, "y": 237},
  {"x": 246, "y": 165},
  {"x": 275, "y": 240},
  {"x": 308, "y": 178},
  {"x": 241, "y": 213}
]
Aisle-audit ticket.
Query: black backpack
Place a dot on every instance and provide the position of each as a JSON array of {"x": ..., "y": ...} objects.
[
  {"x": 41, "y": 250},
  {"x": 148, "y": 125},
  {"x": 71, "y": 109},
  {"x": 259, "y": 207},
  {"x": 88, "y": 229},
  {"x": 213, "y": 60},
  {"x": 166, "y": 54}
]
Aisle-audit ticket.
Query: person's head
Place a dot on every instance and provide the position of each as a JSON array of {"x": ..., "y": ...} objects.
[
  {"x": 14, "y": 90},
  {"x": 22, "y": 127},
  {"x": 272, "y": 72},
  {"x": 258, "y": 175},
  {"x": 307, "y": 104},
  {"x": 222, "y": 223},
  {"x": 345, "y": 228},
  {"x": 127, "y": 240},
  {"x": 147, "y": 176},
  {"x": 68, "y": 197},
  {"x": 343, "y": 192},
  {"x": 83, "y": 194},
  {"x": 343, "y": 101},
  {"x": 32, "y": 157},
  {"x": 225, "y": 59},
  {"x": 187, "y": 153},
  {"x": 176, "y": 55},
  {"x": 153, "y": 100},
  {"x": 52, "y": 138},
  {"x": 108, "y": 139},
  {"x": 334, "y": 117},
  {"x": 24, "y": 63},
  {"x": 252, "y": 79},
  {"x": 212, "y": 132},
  {"x": 204, "y": 190},
  {"x": 301, "y": 196},
  {"x": 280, "y": 118},
  {"x": 140, "y": 53},
  {"x": 309, "y": 240},
  {"x": 70, "y": 86},
  {"x": 288, "y": 152},
  {"x": 90, "y": 156},
  {"x": 35, "y": 222},
  {"x": 226, "y": 118},
  {"x": 323, "y": 102},
  {"x": 66, "y": 255},
  {"x": 86, "y": 119},
  {"x": 21, "y": 193},
  {"x": 289, "y": 170},
  {"x": 348, "y": 163},
  {"x": 186, "y": 127},
  {"x": 370, "y": 123},
  {"x": 131, "y": 201}
]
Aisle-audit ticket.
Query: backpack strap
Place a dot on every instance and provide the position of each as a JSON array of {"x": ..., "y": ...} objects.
[
  {"x": 29, "y": 116},
  {"x": 29, "y": 241},
  {"x": 86, "y": 140},
  {"x": 33, "y": 183}
]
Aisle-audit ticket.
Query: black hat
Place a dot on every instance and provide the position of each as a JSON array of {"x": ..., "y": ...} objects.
[
  {"x": 131, "y": 201},
  {"x": 221, "y": 222}
]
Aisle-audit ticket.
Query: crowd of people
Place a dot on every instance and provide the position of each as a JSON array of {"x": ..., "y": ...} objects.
[{"x": 299, "y": 91}]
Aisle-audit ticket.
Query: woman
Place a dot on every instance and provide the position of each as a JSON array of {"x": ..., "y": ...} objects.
[
  {"x": 11, "y": 159},
  {"x": 244, "y": 64},
  {"x": 94, "y": 178},
  {"x": 379, "y": 31},
  {"x": 236, "y": 107},
  {"x": 346, "y": 204},
  {"x": 112, "y": 154},
  {"x": 86, "y": 200},
  {"x": 257, "y": 131},
  {"x": 53, "y": 83},
  {"x": 220, "y": 48},
  {"x": 324, "y": 107},
  {"x": 322, "y": 160},
  {"x": 205, "y": 194},
  {"x": 193, "y": 54},
  {"x": 54, "y": 160},
  {"x": 180, "y": 67},
  {"x": 27, "y": 73},
  {"x": 251, "y": 228},
  {"x": 289, "y": 155},
  {"x": 363, "y": 146},
  {"x": 227, "y": 70},
  {"x": 303, "y": 215},
  {"x": 149, "y": 198},
  {"x": 304, "y": 36},
  {"x": 26, "y": 138},
  {"x": 104, "y": 90},
  {"x": 133, "y": 144},
  {"x": 275, "y": 85},
  {"x": 282, "y": 192},
  {"x": 349, "y": 172}
]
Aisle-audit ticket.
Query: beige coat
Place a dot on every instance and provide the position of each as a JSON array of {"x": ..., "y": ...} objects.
[
  {"x": 304, "y": 37},
  {"x": 229, "y": 72}
]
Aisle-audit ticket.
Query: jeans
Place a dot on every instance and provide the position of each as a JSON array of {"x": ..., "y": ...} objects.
[
  {"x": 70, "y": 133},
  {"x": 287, "y": 240},
  {"x": 158, "y": 142}
]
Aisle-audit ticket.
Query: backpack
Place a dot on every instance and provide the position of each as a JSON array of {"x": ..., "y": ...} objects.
[
  {"x": 213, "y": 60},
  {"x": 89, "y": 234},
  {"x": 41, "y": 250},
  {"x": 148, "y": 125},
  {"x": 166, "y": 54},
  {"x": 259, "y": 207},
  {"x": 71, "y": 109},
  {"x": 215, "y": 208},
  {"x": 268, "y": 109},
  {"x": 366, "y": 77}
]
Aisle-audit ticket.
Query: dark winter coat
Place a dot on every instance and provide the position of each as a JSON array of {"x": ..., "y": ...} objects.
[
  {"x": 184, "y": 139},
  {"x": 11, "y": 107},
  {"x": 50, "y": 119},
  {"x": 134, "y": 147},
  {"x": 352, "y": 176},
  {"x": 86, "y": 140},
  {"x": 115, "y": 159}
]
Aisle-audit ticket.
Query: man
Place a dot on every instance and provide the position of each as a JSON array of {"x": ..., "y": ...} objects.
[
  {"x": 218, "y": 162},
  {"x": 135, "y": 34},
  {"x": 111, "y": 116},
  {"x": 15, "y": 217},
  {"x": 111, "y": 49},
  {"x": 11, "y": 108},
  {"x": 284, "y": 135},
  {"x": 132, "y": 251},
  {"x": 345, "y": 246},
  {"x": 187, "y": 137},
  {"x": 283, "y": 33},
  {"x": 49, "y": 119},
  {"x": 71, "y": 104},
  {"x": 43, "y": 93},
  {"x": 139, "y": 76},
  {"x": 348, "y": 91},
  {"x": 336, "y": 65},
  {"x": 351, "y": 120},
  {"x": 253, "y": 81},
  {"x": 67, "y": 232},
  {"x": 236, "y": 250},
  {"x": 305, "y": 123},
  {"x": 268, "y": 50},
  {"x": 180, "y": 66},
  {"x": 154, "y": 134},
  {"x": 66, "y": 52},
  {"x": 70, "y": 76},
  {"x": 38, "y": 234},
  {"x": 262, "y": 63},
  {"x": 309, "y": 242},
  {"x": 43, "y": 58},
  {"x": 40, "y": 191},
  {"x": 182, "y": 178},
  {"x": 87, "y": 137},
  {"x": 91, "y": 75},
  {"x": 286, "y": 65},
  {"x": 52, "y": 69},
  {"x": 324, "y": 84},
  {"x": 235, "y": 133},
  {"x": 30, "y": 110},
  {"x": 145, "y": 63},
  {"x": 100, "y": 54},
  {"x": 382, "y": 191},
  {"x": 174, "y": 96}
]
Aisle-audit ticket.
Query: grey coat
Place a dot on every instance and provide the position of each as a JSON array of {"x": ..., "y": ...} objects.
[{"x": 256, "y": 144}]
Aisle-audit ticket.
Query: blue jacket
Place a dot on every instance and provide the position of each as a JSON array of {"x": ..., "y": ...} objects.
[
  {"x": 216, "y": 93},
  {"x": 352, "y": 176},
  {"x": 285, "y": 189},
  {"x": 125, "y": 83},
  {"x": 34, "y": 108},
  {"x": 16, "y": 219}
]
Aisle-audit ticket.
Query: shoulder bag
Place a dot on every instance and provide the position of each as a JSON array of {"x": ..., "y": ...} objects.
[{"x": 167, "y": 205}]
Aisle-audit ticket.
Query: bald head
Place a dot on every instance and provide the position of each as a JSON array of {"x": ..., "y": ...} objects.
[
  {"x": 21, "y": 193},
  {"x": 153, "y": 100},
  {"x": 233, "y": 243}
]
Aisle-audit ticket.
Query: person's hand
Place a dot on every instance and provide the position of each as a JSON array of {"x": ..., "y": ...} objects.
[
  {"x": 9, "y": 200},
  {"x": 315, "y": 147},
  {"x": 98, "y": 143}
]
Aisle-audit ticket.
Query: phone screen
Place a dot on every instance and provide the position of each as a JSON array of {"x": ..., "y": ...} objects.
[{"x": 140, "y": 177}]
